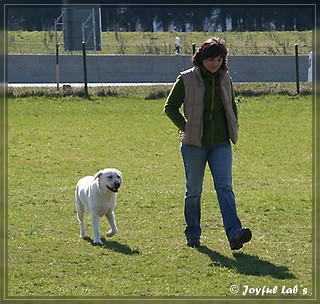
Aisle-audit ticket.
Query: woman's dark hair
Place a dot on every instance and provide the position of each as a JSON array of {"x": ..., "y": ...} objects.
[{"x": 213, "y": 47}]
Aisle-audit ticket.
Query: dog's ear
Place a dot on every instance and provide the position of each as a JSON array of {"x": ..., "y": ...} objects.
[{"x": 98, "y": 174}]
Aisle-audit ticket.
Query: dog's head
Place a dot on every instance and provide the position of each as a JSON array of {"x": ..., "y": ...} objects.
[{"x": 109, "y": 179}]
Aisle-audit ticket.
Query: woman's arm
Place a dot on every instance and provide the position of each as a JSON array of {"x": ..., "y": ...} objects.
[{"x": 174, "y": 102}]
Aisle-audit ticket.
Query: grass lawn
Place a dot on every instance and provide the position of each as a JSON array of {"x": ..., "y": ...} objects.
[
  {"x": 55, "y": 141},
  {"x": 239, "y": 43}
]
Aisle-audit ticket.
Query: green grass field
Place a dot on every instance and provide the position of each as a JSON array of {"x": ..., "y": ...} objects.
[
  {"x": 55, "y": 141},
  {"x": 239, "y": 43}
]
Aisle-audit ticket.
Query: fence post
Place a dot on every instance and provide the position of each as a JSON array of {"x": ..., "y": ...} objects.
[
  {"x": 193, "y": 48},
  {"x": 85, "y": 69},
  {"x": 177, "y": 45},
  {"x": 310, "y": 68},
  {"x": 57, "y": 55},
  {"x": 297, "y": 68},
  {"x": 57, "y": 66}
]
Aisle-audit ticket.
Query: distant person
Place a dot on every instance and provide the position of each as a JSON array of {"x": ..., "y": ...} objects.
[{"x": 208, "y": 123}]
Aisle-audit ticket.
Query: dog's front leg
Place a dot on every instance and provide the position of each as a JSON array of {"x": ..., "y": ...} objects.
[
  {"x": 111, "y": 219},
  {"x": 96, "y": 229}
]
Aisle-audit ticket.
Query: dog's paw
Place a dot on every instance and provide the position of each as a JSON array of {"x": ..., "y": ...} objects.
[{"x": 111, "y": 233}]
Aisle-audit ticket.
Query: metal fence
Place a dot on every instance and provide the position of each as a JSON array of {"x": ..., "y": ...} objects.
[
  {"x": 145, "y": 69},
  {"x": 52, "y": 71}
]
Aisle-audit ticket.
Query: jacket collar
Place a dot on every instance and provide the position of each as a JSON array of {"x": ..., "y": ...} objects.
[{"x": 205, "y": 73}]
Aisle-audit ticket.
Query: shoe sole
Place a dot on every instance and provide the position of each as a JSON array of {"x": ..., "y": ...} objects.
[
  {"x": 193, "y": 244},
  {"x": 245, "y": 237}
]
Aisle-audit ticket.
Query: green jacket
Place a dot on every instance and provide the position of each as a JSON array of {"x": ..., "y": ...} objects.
[{"x": 216, "y": 126}]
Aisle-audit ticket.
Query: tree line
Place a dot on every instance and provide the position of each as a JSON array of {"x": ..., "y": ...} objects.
[{"x": 175, "y": 18}]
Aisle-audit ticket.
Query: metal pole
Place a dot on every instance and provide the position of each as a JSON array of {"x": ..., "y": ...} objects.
[
  {"x": 310, "y": 68},
  {"x": 177, "y": 45},
  {"x": 94, "y": 31},
  {"x": 57, "y": 66},
  {"x": 297, "y": 68},
  {"x": 193, "y": 48},
  {"x": 57, "y": 55},
  {"x": 85, "y": 69}
]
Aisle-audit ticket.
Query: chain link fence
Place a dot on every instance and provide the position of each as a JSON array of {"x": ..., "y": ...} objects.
[{"x": 120, "y": 71}]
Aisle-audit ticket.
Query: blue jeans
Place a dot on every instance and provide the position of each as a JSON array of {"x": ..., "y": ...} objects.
[{"x": 219, "y": 158}]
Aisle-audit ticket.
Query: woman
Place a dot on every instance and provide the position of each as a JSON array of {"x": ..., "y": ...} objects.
[{"x": 209, "y": 122}]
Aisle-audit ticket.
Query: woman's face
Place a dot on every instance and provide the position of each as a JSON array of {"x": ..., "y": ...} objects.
[{"x": 212, "y": 64}]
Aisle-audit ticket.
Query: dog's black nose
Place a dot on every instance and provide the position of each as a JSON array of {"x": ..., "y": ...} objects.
[{"x": 117, "y": 184}]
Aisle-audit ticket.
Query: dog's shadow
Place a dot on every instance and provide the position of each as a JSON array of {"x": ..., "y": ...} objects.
[
  {"x": 247, "y": 264},
  {"x": 113, "y": 245}
]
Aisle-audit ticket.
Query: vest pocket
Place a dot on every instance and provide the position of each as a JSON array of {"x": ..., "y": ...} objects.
[{"x": 193, "y": 134}]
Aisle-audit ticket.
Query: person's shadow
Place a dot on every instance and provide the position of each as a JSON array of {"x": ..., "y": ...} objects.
[{"x": 247, "y": 264}]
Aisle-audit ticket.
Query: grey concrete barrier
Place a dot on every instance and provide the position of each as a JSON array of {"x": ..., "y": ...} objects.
[{"x": 140, "y": 69}]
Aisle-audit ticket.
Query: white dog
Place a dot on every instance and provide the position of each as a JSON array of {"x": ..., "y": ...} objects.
[{"x": 97, "y": 194}]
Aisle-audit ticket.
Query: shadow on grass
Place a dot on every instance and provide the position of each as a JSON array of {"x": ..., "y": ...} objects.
[
  {"x": 247, "y": 264},
  {"x": 114, "y": 245}
]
